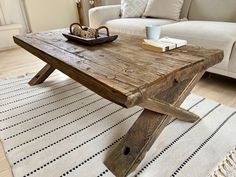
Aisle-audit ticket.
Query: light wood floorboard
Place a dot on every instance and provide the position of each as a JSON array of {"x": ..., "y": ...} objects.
[{"x": 18, "y": 62}]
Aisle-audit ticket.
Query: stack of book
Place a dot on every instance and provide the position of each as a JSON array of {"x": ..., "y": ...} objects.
[{"x": 163, "y": 44}]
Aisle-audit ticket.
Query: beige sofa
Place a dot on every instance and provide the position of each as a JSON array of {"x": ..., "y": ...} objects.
[{"x": 207, "y": 23}]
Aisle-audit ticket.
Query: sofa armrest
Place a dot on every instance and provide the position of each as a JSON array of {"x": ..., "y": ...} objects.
[{"x": 99, "y": 15}]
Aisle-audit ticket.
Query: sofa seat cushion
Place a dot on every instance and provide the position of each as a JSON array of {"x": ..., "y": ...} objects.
[
  {"x": 134, "y": 25},
  {"x": 221, "y": 35}
]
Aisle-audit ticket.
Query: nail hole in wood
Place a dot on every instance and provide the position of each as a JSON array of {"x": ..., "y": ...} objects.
[
  {"x": 37, "y": 76},
  {"x": 176, "y": 81},
  {"x": 126, "y": 151}
]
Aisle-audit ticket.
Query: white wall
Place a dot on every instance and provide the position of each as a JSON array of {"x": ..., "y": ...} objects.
[
  {"x": 2, "y": 19},
  {"x": 6, "y": 33},
  {"x": 12, "y": 13},
  {"x": 50, "y": 14}
]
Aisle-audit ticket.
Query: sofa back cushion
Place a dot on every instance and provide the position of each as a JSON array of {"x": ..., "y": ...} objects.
[
  {"x": 185, "y": 9},
  {"x": 168, "y": 9},
  {"x": 213, "y": 10},
  {"x": 110, "y": 2},
  {"x": 133, "y": 8}
]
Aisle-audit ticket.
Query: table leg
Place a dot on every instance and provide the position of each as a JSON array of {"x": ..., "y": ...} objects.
[
  {"x": 42, "y": 75},
  {"x": 132, "y": 149},
  {"x": 169, "y": 109}
]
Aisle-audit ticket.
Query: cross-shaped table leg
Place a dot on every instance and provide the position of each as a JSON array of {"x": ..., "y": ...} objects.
[
  {"x": 42, "y": 75},
  {"x": 132, "y": 149}
]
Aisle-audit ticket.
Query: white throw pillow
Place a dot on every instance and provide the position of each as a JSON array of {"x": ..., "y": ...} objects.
[
  {"x": 133, "y": 8},
  {"x": 169, "y": 9}
]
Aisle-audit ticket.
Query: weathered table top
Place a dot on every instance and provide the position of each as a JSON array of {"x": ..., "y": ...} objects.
[{"x": 122, "y": 71}]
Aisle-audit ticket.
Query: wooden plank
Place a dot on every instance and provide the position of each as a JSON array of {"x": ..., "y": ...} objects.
[
  {"x": 168, "y": 109},
  {"x": 190, "y": 87},
  {"x": 103, "y": 77},
  {"x": 132, "y": 149},
  {"x": 131, "y": 53},
  {"x": 111, "y": 53},
  {"x": 42, "y": 75},
  {"x": 161, "y": 91},
  {"x": 64, "y": 62}
]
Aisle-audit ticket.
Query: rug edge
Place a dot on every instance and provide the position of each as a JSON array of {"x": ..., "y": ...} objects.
[
  {"x": 226, "y": 167},
  {"x": 5, "y": 157},
  {"x": 21, "y": 76}
]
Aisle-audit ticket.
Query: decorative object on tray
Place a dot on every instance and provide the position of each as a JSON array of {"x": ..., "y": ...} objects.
[
  {"x": 163, "y": 44},
  {"x": 89, "y": 36},
  {"x": 83, "y": 31}
]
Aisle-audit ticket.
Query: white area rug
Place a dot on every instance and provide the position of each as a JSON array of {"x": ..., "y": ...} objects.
[{"x": 61, "y": 128}]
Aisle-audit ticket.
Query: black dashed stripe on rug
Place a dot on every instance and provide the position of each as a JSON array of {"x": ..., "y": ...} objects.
[
  {"x": 15, "y": 85},
  {"x": 91, "y": 157},
  {"x": 103, "y": 173},
  {"x": 13, "y": 82},
  {"x": 21, "y": 79},
  {"x": 79, "y": 165},
  {"x": 41, "y": 106},
  {"x": 35, "y": 101},
  {"x": 82, "y": 144},
  {"x": 29, "y": 91},
  {"x": 69, "y": 123},
  {"x": 201, "y": 100},
  {"x": 44, "y": 123},
  {"x": 202, "y": 145},
  {"x": 21, "y": 88},
  {"x": 5, "y": 88},
  {"x": 175, "y": 141},
  {"x": 44, "y": 113},
  {"x": 53, "y": 89}
]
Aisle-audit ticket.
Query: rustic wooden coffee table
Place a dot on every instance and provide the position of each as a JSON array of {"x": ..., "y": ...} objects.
[{"x": 128, "y": 75}]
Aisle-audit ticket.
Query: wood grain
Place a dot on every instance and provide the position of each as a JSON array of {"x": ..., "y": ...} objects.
[
  {"x": 128, "y": 75},
  {"x": 42, "y": 75},
  {"x": 168, "y": 109},
  {"x": 132, "y": 149},
  {"x": 122, "y": 77}
]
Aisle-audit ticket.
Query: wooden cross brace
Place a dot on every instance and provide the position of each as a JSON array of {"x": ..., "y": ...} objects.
[{"x": 157, "y": 114}]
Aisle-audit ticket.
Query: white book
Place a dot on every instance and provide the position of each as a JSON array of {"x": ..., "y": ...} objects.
[
  {"x": 164, "y": 45},
  {"x": 176, "y": 42}
]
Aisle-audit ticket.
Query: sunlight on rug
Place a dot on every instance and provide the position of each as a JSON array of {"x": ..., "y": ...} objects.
[{"x": 60, "y": 128}]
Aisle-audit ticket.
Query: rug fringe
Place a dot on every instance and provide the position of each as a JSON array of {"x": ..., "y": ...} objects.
[{"x": 228, "y": 167}]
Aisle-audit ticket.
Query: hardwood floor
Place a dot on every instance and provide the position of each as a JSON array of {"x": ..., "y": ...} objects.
[{"x": 18, "y": 62}]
